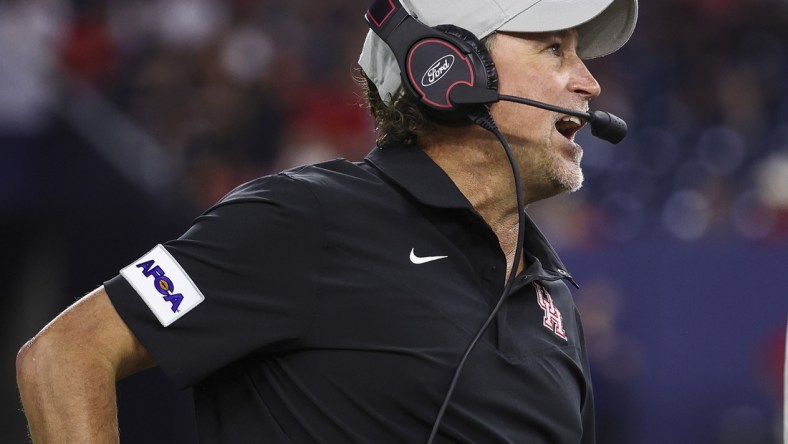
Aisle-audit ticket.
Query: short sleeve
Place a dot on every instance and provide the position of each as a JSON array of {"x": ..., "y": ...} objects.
[{"x": 254, "y": 258}]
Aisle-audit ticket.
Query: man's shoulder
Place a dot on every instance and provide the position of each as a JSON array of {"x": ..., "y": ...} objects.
[
  {"x": 332, "y": 172},
  {"x": 333, "y": 177}
]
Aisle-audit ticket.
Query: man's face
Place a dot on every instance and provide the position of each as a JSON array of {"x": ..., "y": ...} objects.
[{"x": 543, "y": 67}]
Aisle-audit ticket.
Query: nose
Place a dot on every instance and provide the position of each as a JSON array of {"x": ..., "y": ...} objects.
[{"x": 582, "y": 81}]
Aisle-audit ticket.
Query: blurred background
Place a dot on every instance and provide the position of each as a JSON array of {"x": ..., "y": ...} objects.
[{"x": 121, "y": 121}]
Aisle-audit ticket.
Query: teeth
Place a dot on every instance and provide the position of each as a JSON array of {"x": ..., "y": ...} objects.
[{"x": 572, "y": 119}]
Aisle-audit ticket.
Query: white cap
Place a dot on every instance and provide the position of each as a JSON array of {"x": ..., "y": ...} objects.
[{"x": 603, "y": 26}]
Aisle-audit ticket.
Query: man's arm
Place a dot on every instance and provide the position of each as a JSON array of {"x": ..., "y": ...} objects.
[{"x": 67, "y": 373}]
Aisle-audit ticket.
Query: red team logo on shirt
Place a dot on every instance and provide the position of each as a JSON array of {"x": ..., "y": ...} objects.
[{"x": 552, "y": 317}]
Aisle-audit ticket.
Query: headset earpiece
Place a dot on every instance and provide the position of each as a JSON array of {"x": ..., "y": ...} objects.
[
  {"x": 465, "y": 60},
  {"x": 432, "y": 61}
]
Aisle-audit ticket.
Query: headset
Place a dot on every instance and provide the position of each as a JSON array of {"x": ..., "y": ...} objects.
[{"x": 453, "y": 75}]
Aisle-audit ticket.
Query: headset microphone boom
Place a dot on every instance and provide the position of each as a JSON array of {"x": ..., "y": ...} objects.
[{"x": 604, "y": 125}]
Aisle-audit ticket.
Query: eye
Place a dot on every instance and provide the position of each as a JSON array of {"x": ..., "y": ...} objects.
[{"x": 556, "y": 49}]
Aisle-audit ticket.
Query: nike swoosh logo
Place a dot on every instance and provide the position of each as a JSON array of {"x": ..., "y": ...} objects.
[{"x": 423, "y": 260}]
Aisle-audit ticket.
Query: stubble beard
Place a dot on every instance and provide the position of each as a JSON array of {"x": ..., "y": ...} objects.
[
  {"x": 566, "y": 176},
  {"x": 550, "y": 173}
]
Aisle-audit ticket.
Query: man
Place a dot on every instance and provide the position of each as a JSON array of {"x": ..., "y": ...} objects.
[{"x": 333, "y": 302}]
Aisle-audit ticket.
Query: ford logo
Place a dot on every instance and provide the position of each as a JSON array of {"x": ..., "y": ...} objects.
[{"x": 437, "y": 70}]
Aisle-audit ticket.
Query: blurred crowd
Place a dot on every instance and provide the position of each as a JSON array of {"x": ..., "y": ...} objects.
[
  {"x": 120, "y": 121},
  {"x": 219, "y": 90}
]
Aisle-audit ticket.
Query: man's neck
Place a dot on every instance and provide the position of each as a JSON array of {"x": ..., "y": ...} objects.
[{"x": 478, "y": 165}]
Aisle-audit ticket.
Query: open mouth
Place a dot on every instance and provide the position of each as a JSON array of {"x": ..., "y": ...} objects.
[{"x": 568, "y": 126}]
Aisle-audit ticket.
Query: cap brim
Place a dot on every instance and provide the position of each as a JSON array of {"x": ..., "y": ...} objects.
[{"x": 603, "y": 26}]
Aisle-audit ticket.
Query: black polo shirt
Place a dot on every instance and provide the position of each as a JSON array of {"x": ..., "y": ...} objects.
[{"x": 338, "y": 299}]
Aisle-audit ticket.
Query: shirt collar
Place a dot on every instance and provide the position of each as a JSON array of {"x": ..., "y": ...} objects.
[
  {"x": 537, "y": 244},
  {"x": 413, "y": 170},
  {"x": 421, "y": 177}
]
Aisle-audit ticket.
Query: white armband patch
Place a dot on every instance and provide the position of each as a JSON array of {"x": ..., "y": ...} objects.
[{"x": 161, "y": 282}]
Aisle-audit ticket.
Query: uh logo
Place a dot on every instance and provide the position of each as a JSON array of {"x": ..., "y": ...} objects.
[{"x": 162, "y": 283}]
